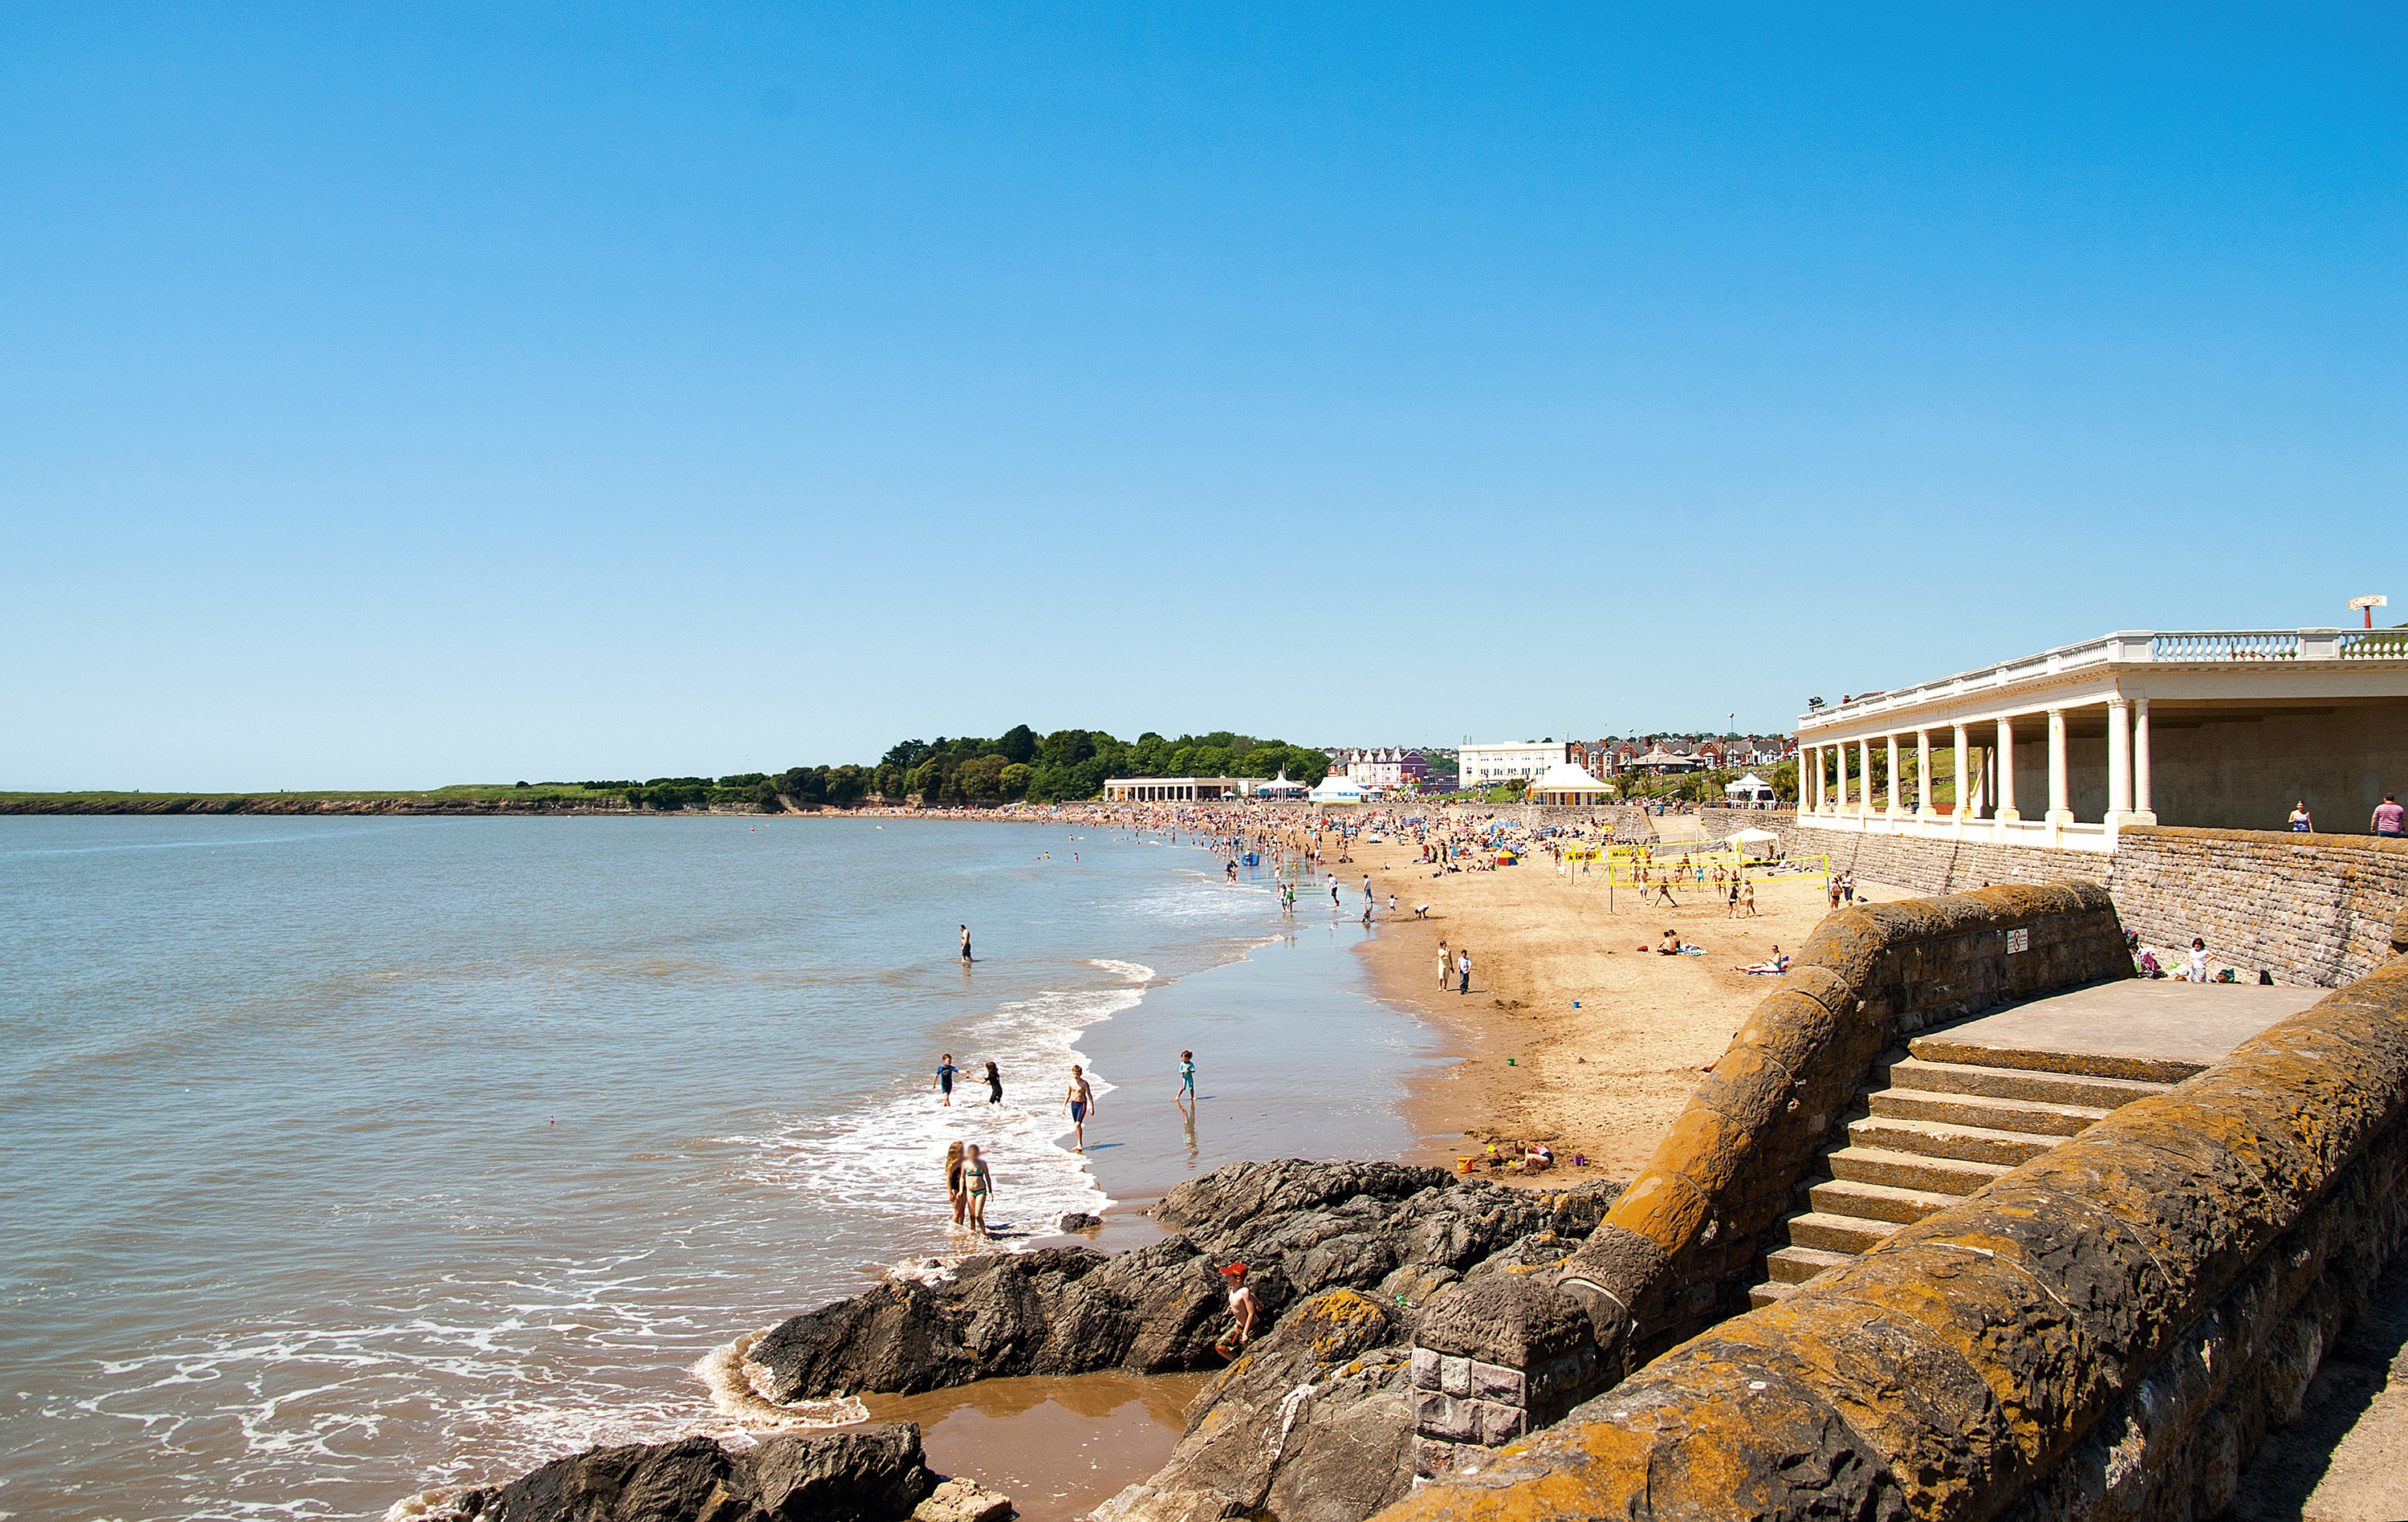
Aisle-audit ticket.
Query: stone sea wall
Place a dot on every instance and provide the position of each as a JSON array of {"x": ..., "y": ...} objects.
[
  {"x": 1678, "y": 1250},
  {"x": 2310, "y": 911},
  {"x": 2314, "y": 911},
  {"x": 2106, "y": 1333}
]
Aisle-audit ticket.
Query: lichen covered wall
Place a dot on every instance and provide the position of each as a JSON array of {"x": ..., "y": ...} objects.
[{"x": 2106, "y": 1332}]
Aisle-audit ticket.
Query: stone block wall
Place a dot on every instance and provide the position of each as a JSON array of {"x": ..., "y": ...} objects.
[
  {"x": 2313, "y": 910},
  {"x": 1940, "y": 867},
  {"x": 2104, "y": 1333}
]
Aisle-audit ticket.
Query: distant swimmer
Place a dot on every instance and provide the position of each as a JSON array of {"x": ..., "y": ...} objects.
[
  {"x": 965, "y": 943},
  {"x": 1080, "y": 1102}
]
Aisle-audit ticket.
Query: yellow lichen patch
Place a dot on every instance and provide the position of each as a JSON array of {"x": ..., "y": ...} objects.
[{"x": 1343, "y": 1320}]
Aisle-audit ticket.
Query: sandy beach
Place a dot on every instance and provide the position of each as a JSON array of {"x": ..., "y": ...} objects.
[{"x": 1576, "y": 1032}]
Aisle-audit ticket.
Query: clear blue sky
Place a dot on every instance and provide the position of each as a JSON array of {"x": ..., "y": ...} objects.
[{"x": 408, "y": 394}]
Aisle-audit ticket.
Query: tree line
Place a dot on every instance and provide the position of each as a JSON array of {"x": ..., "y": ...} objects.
[{"x": 1019, "y": 764}]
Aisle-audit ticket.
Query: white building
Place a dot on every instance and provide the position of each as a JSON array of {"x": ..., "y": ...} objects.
[
  {"x": 1481, "y": 766},
  {"x": 2217, "y": 728}
]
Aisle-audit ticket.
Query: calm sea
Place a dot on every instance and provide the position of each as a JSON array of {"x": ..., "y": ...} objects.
[{"x": 340, "y": 1159}]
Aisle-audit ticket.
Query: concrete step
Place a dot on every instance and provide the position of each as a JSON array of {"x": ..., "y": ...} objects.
[
  {"x": 1967, "y": 1144},
  {"x": 1939, "y": 1047},
  {"x": 2026, "y": 1115},
  {"x": 1771, "y": 1292},
  {"x": 1796, "y": 1265},
  {"x": 1949, "y": 1176},
  {"x": 1876, "y": 1201},
  {"x": 1833, "y": 1233},
  {"x": 2012, "y": 1083}
]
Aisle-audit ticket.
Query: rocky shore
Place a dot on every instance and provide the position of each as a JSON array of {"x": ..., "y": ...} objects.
[{"x": 1312, "y": 1421}]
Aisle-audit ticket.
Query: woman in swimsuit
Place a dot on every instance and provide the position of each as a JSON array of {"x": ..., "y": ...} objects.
[
  {"x": 954, "y": 1180},
  {"x": 977, "y": 1186}
]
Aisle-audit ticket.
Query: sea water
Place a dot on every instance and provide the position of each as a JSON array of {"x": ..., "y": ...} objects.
[{"x": 340, "y": 1159}]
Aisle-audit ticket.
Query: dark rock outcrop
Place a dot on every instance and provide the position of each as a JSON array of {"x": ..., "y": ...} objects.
[
  {"x": 1312, "y": 1424},
  {"x": 863, "y": 1475},
  {"x": 1396, "y": 1233}
]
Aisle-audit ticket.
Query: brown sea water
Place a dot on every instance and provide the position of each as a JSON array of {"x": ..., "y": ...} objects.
[{"x": 340, "y": 1159}]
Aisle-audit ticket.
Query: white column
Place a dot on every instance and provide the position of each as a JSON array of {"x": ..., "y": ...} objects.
[
  {"x": 2119, "y": 763},
  {"x": 1891, "y": 742},
  {"x": 1865, "y": 777},
  {"x": 1923, "y": 806},
  {"x": 1964, "y": 784},
  {"x": 2143, "y": 812},
  {"x": 2006, "y": 767},
  {"x": 1839, "y": 779},
  {"x": 2060, "y": 791}
]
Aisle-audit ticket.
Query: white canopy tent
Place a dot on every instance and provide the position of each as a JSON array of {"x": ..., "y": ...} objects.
[
  {"x": 1338, "y": 788},
  {"x": 1566, "y": 782},
  {"x": 1754, "y": 844},
  {"x": 1281, "y": 786}
]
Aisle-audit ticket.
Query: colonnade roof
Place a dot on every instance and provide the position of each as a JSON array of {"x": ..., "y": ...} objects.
[{"x": 2195, "y": 673}]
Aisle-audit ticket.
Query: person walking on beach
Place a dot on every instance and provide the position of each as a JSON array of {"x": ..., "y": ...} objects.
[
  {"x": 1186, "y": 1076},
  {"x": 1080, "y": 1102},
  {"x": 994, "y": 1084},
  {"x": 954, "y": 1181},
  {"x": 945, "y": 1070},
  {"x": 966, "y": 942},
  {"x": 977, "y": 1186},
  {"x": 1445, "y": 964},
  {"x": 1463, "y": 970},
  {"x": 1333, "y": 893}
]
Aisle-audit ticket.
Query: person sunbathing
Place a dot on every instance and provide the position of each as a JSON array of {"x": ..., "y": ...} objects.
[
  {"x": 1670, "y": 945},
  {"x": 1771, "y": 966}
]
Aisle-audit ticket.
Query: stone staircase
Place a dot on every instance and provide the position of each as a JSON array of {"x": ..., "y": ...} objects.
[{"x": 1934, "y": 1128}]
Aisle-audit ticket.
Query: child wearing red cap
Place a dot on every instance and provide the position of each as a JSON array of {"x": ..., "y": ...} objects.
[{"x": 1241, "y": 1311}]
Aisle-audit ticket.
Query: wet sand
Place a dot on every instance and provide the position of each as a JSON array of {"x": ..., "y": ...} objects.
[{"x": 1297, "y": 1055}]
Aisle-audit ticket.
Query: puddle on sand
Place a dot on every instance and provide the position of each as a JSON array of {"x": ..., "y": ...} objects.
[{"x": 1058, "y": 1447}]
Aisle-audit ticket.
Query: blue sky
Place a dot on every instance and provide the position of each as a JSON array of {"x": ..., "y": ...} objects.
[{"x": 399, "y": 395}]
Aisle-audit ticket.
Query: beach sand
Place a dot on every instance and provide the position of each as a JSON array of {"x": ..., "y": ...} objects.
[{"x": 1603, "y": 1079}]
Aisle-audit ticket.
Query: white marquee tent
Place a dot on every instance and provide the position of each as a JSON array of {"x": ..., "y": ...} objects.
[{"x": 1568, "y": 783}]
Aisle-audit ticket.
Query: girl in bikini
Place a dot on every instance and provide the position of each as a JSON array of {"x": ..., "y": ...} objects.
[{"x": 977, "y": 1186}]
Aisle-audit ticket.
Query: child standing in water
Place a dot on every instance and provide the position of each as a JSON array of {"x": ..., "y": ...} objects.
[
  {"x": 993, "y": 1084},
  {"x": 1186, "y": 1076},
  {"x": 977, "y": 1186},
  {"x": 945, "y": 1070}
]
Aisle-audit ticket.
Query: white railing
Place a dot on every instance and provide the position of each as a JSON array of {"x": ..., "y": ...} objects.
[
  {"x": 2375, "y": 645},
  {"x": 2134, "y": 647},
  {"x": 2226, "y": 645}
]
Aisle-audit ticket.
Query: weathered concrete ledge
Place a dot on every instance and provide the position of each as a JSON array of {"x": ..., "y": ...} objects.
[
  {"x": 2106, "y": 1332},
  {"x": 1678, "y": 1250}
]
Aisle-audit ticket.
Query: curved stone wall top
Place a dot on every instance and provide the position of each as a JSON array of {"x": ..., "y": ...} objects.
[
  {"x": 1677, "y": 1247},
  {"x": 2103, "y": 1332}
]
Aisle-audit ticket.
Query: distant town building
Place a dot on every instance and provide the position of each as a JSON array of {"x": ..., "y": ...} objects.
[
  {"x": 1480, "y": 766},
  {"x": 1177, "y": 789},
  {"x": 1384, "y": 771}
]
